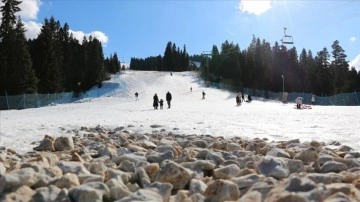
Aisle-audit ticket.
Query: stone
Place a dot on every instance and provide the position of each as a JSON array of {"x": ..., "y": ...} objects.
[
  {"x": 142, "y": 195},
  {"x": 157, "y": 157},
  {"x": 227, "y": 172},
  {"x": 297, "y": 184},
  {"x": 197, "y": 186},
  {"x": 272, "y": 167},
  {"x": 295, "y": 166},
  {"x": 51, "y": 193},
  {"x": 72, "y": 167},
  {"x": 247, "y": 180},
  {"x": 164, "y": 189},
  {"x": 222, "y": 190},
  {"x": 307, "y": 155},
  {"x": 333, "y": 166},
  {"x": 127, "y": 166},
  {"x": 327, "y": 178},
  {"x": 64, "y": 143},
  {"x": 18, "y": 178},
  {"x": 22, "y": 193},
  {"x": 175, "y": 174},
  {"x": 253, "y": 196},
  {"x": 119, "y": 192},
  {"x": 276, "y": 152},
  {"x": 90, "y": 192},
  {"x": 47, "y": 144},
  {"x": 68, "y": 180}
]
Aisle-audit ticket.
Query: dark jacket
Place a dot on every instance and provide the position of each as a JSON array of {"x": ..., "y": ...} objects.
[
  {"x": 156, "y": 101},
  {"x": 168, "y": 96}
]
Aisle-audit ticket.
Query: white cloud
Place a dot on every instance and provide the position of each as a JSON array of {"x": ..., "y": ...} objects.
[
  {"x": 355, "y": 63},
  {"x": 100, "y": 36},
  {"x": 256, "y": 7},
  {"x": 353, "y": 39},
  {"x": 32, "y": 29},
  {"x": 29, "y": 9},
  {"x": 79, "y": 35}
]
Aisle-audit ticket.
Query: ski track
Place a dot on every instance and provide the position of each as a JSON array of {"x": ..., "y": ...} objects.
[{"x": 216, "y": 115}]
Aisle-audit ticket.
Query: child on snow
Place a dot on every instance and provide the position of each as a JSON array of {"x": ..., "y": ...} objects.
[
  {"x": 313, "y": 100},
  {"x": 298, "y": 102},
  {"x": 161, "y": 103}
]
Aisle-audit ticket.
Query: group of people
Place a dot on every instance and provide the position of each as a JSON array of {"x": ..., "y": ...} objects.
[
  {"x": 299, "y": 101},
  {"x": 156, "y": 101},
  {"x": 241, "y": 98}
]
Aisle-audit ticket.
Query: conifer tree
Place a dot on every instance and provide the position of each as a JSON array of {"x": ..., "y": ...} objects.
[
  {"x": 17, "y": 75},
  {"x": 323, "y": 76},
  {"x": 339, "y": 68},
  {"x": 48, "y": 57}
]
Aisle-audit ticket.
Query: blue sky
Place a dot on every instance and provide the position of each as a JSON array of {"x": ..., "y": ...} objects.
[{"x": 142, "y": 28}]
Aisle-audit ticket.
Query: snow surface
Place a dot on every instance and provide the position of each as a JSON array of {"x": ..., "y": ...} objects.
[{"x": 216, "y": 115}]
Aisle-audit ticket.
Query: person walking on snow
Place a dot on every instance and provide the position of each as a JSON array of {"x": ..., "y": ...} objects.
[
  {"x": 298, "y": 102},
  {"x": 203, "y": 95},
  {"x": 161, "y": 103},
  {"x": 238, "y": 102},
  {"x": 156, "y": 101},
  {"x": 313, "y": 100},
  {"x": 136, "y": 95},
  {"x": 168, "y": 99}
]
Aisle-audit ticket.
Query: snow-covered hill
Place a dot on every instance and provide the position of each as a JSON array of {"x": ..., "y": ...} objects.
[{"x": 189, "y": 114}]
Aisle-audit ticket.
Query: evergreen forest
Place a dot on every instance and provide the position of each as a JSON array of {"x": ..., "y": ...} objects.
[
  {"x": 53, "y": 62},
  {"x": 56, "y": 61},
  {"x": 264, "y": 67}
]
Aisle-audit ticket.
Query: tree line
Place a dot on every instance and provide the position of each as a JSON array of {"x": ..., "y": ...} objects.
[
  {"x": 53, "y": 62},
  {"x": 174, "y": 59},
  {"x": 56, "y": 61},
  {"x": 272, "y": 68}
]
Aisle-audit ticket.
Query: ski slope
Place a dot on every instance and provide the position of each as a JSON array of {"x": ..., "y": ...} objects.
[{"x": 217, "y": 115}]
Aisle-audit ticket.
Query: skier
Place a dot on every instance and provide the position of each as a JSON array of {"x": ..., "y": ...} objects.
[
  {"x": 238, "y": 102},
  {"x": 298, "y": 102},
  {"x": 168, "y": 99},
  {"x": 249, "y": 98},
  {"x": 203, "y": 95},
  {"x": 136, "y": 95},
  {"x": 190, "y": 89},
  {"x": 313, "y": 99},
  {"x": 161, "y": 103},
  {"x": 156, "y": 101},
  {"x": 243, "y": 97}
]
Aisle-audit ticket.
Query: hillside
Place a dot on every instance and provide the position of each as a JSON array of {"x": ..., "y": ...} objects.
[{"x": 216, "y": 115}]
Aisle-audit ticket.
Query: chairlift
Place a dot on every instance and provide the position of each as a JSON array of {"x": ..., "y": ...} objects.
[{"x": 287, "y": 39}]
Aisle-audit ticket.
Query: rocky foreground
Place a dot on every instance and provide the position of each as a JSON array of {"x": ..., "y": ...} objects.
[{"x": 98, "y": 164}]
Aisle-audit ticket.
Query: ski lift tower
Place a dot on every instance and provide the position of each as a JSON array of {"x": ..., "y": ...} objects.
[{"x": 286, "y": 40}]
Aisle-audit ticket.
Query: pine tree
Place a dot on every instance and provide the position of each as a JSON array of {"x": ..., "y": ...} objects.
[
  {"x": 339, "y": 68},
  {"x": 48, "y": 57},
  {"x": 8, "y": 21},
  {"x": 168, "y": 57},
  {"x": 17, "y": 75},
  {"x": 323, "y": 76}
]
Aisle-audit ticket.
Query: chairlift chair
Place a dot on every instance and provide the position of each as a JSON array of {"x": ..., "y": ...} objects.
[{"x": 287, "y": 39}]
